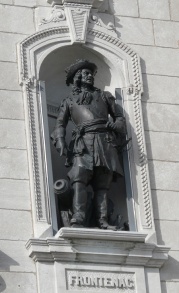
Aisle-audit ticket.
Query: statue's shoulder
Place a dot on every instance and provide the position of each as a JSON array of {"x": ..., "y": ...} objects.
[
  {"x": 107, "y": 97},
  {"x": 64, "y": 104}
]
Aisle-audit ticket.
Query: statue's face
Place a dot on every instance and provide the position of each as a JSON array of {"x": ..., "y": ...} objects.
[{"x": 87, "y": 77}]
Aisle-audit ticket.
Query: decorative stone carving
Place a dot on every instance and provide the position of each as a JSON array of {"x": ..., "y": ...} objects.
[
  {"x": 77, "y": 18},
  {"x": 94, "y": 3},
  {"x": 36, "y": 170},
  {"x": 131, "y": 89},
  {"x": 100, "y": 281},
  {"x": 80, "y": 256},
  {"x": 94, "y": 18},
  {"x": 126, "y": 248},
  {"x": 57, "y": 15}
]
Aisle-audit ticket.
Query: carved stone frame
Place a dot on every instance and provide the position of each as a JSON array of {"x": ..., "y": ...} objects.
[{"x": 32, "y": 51}]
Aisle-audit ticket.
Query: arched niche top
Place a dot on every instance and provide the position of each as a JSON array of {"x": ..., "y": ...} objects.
[
  {"x": 124, "y": 64},
  {"x": 118, "y": 55},
  {"x": 53, "y": 68}
]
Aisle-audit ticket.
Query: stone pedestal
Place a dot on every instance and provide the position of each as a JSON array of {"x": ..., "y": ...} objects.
[{"x": 81, "y": 260}]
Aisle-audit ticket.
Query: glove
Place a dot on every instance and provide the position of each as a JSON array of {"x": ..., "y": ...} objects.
[{"x": 119, "y": 126}]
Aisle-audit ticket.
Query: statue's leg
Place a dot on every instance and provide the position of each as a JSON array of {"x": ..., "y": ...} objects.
[
  {"x": 79, "y": 177},
  {"x": 100, "y": 199},
  {"x": 101, "y": 183},
  {"x": 79, "y": 204}
]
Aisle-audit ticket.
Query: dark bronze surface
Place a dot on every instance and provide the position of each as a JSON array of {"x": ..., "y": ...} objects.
[{"x": 93, "y": 153}]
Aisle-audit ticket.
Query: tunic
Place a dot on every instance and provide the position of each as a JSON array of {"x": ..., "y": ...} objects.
[{"x": 93, "y": 142}]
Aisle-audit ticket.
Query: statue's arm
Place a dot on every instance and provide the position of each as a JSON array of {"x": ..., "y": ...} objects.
[
  {"x": 119, "y": 123},
  {"x": 59, "y": 132}
]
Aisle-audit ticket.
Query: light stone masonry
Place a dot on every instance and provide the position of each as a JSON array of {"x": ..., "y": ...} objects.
[
  {"x": 157, "y": 60},
  {"x": 167, "y": 234},
  {"x": 162, "y": 146},
  {"x": 28, "y": 3},
  {"x": 43, "y": 3},
  {"x": 164, "y": 205},
  {"x": 161, "y": 117},
  {"x": 169, "y": 272},
  {"x": 174, "y": 6},
  {"x": 12, "y": 134},
  {"x": 121, "y": 7},
  {"x": 14, "y": 257},
  {"x": 166, "y": 33},
  {"x": 144, "y": 24},
  {"x": 142, "y": 30},
  {"x": 155, "y": 9},
  {"x": 8, "y": 50},
  {"x": 13, "y": 164},
  {"x": 16, "y": 19},
  {"x": 6, "y": 1},
  {"x": 164, "y": 175},
  {"x": 11, "y": 105},
  {"x": 9, "y": 76},
  {"x": 15, "y": 194},
  {"x": 168, "y": 287},
  {"x": 18, "y": 282},
  {"x": 15, "y": 225},
  {"x": 160, "y": 89}
]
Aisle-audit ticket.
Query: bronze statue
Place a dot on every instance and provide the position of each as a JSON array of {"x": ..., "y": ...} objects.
[{"x": 93, "y": 151}]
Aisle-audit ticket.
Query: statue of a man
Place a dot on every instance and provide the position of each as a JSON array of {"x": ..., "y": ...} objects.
[{"x": 93, "y": 151}]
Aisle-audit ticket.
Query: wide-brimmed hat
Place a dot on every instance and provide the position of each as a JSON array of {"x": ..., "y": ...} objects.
[{"x": 80, "y": 64}]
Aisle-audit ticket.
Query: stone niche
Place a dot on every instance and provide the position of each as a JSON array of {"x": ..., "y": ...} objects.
[
  {"x": 82, "y": 260},
  {"x": 52, "y": 72}
]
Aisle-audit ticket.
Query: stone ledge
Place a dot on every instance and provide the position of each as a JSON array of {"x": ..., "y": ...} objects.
[
  {"x": 97, "y": 234},
  {"x": 98, "y": 247}
]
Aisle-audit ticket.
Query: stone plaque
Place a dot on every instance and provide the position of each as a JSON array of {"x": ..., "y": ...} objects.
[{"x": 100, "y": 281}]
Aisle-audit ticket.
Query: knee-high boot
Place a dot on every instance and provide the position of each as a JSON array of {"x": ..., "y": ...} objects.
[
  {"x": 79, "y": 204},
  {"x": 101, "y": 209}
]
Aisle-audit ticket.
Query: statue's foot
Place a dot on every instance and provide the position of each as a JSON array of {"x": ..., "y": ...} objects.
[
  {"x": 105, "y": 226},
  {"x": 113, "y": 228},
  {"x": 77, "y": 226}
]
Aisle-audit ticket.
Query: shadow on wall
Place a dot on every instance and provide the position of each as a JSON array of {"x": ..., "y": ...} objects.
[
  {"x": 2, "y": 284},
  {"x": 5, "y": 264},
  {"x": 170, "y": 270},
  {"x": 118, "y": 27}
]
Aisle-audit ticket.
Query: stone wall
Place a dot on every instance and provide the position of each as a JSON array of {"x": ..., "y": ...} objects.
[{"x": 151, "y": 28}]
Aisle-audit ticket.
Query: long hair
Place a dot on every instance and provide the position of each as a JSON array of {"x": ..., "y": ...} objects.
[{"x": 76, "y": 87}]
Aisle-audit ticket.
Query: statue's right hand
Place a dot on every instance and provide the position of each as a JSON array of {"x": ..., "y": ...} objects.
[{"x": 61, "y": 146}]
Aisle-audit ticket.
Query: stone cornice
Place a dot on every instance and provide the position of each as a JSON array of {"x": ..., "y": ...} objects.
[
  {"x": 94, "y": 3},
  {"x": 98, "y": 246}
]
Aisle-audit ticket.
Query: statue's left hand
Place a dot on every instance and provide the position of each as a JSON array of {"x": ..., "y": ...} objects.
[{"x": 118, "y": 126}]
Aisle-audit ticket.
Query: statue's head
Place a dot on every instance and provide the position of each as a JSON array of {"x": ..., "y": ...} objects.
[{"x": 82, "y": 72}]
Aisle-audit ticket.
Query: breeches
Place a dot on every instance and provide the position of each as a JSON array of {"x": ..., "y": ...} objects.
[{"x": 98, "y": 178}]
